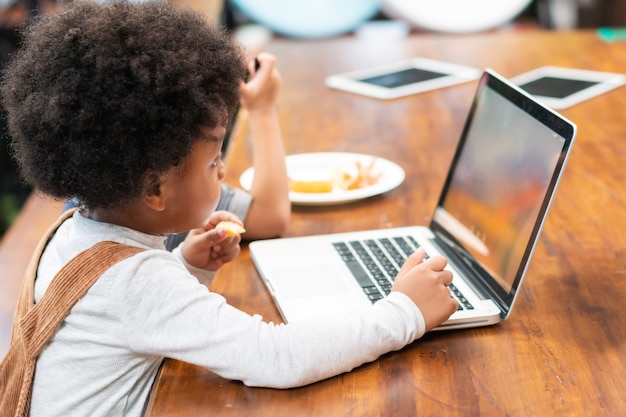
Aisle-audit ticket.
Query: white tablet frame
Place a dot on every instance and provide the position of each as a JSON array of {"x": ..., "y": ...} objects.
[
  {"x": 456, "y": 74},
  {"x": 606, "y": 81}
]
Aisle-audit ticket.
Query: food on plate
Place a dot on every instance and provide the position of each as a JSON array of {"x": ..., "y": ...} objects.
[
  {"x": 340, "y": 178},
  {"x": 365, "y": 176},
  {"x": 310, "y": 186},
  {"x": 232, "y": 228}
]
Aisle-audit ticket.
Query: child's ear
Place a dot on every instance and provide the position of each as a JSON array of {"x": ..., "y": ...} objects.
[{"x": 153, "y": 193}]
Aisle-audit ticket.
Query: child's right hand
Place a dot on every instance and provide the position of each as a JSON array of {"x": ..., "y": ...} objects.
[
  {"x": 426, "y": 283},
  {"x": 261, "y": 92},
  {"x": 209, "y": 247}
]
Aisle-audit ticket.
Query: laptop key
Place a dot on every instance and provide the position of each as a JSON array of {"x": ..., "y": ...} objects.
[
  {"x": 404, "y": 245},
  {"x": 359, "y": 274},
  {"x": 464, "y": 304},
  {"x": 397, "y": 257},
  {"x": 371, "y": 290}
]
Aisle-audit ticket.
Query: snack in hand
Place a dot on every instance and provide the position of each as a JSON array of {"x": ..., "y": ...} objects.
[{"x": 232, "y": 228}]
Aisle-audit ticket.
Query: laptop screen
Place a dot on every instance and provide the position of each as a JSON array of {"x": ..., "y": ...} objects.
[{"x": 501, "y": 182}]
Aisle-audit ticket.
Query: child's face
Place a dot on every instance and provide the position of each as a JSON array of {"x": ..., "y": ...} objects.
[{"x": 196, "y": 190}]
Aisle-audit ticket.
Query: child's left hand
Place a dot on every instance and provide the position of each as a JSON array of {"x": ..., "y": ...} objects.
[{"x": 210, "y": 248}]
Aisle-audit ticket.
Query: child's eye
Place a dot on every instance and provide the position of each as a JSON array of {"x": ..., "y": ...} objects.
[{"x": 217, "y": 161}]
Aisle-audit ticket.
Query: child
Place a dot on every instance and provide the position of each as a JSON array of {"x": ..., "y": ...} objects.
[
  {"x": 125, "y": 107},
  {"x": 266, "y": 209}
]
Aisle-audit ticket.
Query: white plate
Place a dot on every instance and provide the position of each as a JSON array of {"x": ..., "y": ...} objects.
[{"x": 319, "y": 166}]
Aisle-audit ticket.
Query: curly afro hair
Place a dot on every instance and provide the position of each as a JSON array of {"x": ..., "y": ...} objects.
[{"x": 99, "y": 96}]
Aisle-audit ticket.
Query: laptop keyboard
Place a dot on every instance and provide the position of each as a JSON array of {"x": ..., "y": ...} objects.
[{"x": 374, "y": 263}]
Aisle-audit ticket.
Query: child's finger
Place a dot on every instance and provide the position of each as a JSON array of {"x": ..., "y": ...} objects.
[
  {"x": 437, "y": 263},
  {"x": 214, "y": 236},
  {"x": 415, "y": 259}
]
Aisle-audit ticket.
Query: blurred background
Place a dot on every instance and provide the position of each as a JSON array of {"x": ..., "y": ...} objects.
[{"x": 256, "y": 22}]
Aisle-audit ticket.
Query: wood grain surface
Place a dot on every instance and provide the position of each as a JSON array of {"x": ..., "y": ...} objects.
[{"x": 561, "y": 352}]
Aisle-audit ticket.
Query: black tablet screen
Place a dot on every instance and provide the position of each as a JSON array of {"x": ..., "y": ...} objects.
[
  {"x": 402, "y": 78},
  {"x": 556, "y": 87}
]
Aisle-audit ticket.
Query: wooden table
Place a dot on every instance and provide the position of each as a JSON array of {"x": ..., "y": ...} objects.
[
  {"x": 16, "y": 247},
  {"x": 561, "y": 353}
]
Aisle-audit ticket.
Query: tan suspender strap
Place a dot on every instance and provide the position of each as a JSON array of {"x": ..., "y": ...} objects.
[
  {"x": 26, "y": 299},
  {"x": 35, "y": 324},
  {"x": 67, "y": 287}
]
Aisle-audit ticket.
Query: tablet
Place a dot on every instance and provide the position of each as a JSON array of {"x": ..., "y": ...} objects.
[
  {"x": 560, "y": 88},
  {"x": 402, "y": 78}
]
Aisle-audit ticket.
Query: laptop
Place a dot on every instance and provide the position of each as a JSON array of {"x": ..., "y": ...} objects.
[{"x": 488, "y": 218}]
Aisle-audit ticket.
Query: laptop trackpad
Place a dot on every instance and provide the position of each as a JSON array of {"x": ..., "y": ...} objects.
[
  {"x": 314, "y": 291},
  {"x": 307, "y": 282}
]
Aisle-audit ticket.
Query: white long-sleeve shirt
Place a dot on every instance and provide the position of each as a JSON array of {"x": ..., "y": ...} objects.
[{"x": 105, "y": 355}]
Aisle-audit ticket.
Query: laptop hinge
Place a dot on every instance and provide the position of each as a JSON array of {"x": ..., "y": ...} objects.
[{"x": 479, "y": 283}]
